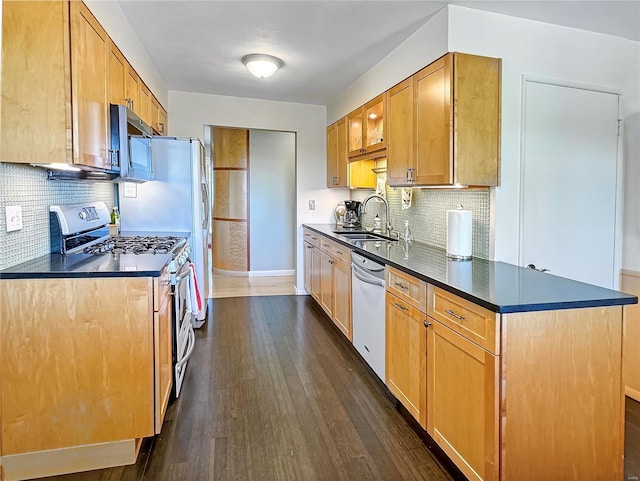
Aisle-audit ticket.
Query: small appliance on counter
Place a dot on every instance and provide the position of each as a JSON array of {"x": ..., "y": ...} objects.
[{"x": 352, "y": 213}]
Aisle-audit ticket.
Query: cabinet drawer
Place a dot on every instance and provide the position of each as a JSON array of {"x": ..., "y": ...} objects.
[
  {"x": 335, "y": 250},
  {"x": 475, "y": 323},
  {"x": 407, "y": 288},
  {"x": 311, "y": 237},
  {"x": 161, "y": 288}
]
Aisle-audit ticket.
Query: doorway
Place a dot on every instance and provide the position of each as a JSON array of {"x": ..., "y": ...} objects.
[{"x": 254, "y": 212}]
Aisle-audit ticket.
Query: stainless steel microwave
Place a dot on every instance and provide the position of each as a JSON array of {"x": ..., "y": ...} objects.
[{"x": 130, "y": 145}]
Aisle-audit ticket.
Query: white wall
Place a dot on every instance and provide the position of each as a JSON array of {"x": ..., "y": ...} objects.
[
  {"x": 189, "y": 112},
  {"x": 533, "y": 48},
  {"x": 272, "y": 201},
  {"x": 113, "y": 20},
  {"x": 424, "y": 46}
]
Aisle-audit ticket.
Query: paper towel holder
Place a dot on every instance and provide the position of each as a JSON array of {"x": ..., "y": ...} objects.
[{"x": 456, "y": 256}]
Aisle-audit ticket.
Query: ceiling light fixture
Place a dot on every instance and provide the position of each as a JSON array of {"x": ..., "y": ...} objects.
[{"x": 261, "y": 65}]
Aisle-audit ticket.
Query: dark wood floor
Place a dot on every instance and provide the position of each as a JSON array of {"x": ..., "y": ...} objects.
[{"x": 274, "y": 392}]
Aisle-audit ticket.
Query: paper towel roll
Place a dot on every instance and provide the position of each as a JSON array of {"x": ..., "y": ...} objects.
[{"x": 459, "y": 237}]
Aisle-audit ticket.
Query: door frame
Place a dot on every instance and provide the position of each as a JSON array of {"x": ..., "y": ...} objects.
[{"x": 618, "y": 231}]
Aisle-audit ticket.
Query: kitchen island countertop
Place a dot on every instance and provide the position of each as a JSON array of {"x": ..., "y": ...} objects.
[{"x": 497, "y": 286}]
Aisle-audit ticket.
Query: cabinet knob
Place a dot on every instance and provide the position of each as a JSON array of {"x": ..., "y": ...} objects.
[{"x": 426, "y": 323}]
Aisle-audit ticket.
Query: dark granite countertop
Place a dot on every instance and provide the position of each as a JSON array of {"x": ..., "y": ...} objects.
[
  {"x": 498, "y": 286},
  {"x": 89, "y": 265}
]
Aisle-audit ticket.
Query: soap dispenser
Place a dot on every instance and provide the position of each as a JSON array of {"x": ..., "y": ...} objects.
[{"x": 406, "y": 235}]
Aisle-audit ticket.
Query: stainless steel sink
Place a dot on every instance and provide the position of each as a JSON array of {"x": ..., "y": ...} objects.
[{"x": 362, "y": 235}]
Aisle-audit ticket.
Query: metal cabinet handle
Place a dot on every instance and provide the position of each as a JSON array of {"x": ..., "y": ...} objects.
[
  {"x": 426, "y": 323},
  {"x": 450, "y": 312},
  {"x": 339, "y": 252},
  {"x": 401, "y": 285},
  {"x": 400, "y": 306}
]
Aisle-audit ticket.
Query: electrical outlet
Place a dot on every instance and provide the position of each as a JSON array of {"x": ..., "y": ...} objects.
[
  {"x": 312, "y": 205},
  {"x": 14, "y": 217}
]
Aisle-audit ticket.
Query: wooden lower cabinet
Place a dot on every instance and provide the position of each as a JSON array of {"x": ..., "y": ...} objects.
[
  {"x": 342, "y": 298},
  {"x": 406, "y": 356},
  {"x": 86, "y": 371},
  {"x": 327, "y": 277},
  {"x": 163, "y": 355},
  {"x": 462, "y": 401}
]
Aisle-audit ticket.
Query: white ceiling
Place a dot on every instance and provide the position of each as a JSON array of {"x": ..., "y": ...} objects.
[{"x": 196, "y": 46}]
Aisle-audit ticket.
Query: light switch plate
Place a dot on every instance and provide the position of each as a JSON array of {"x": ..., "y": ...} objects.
[
  {"x": 130, "y": 189},
  {"x": 14, "y": 217}
]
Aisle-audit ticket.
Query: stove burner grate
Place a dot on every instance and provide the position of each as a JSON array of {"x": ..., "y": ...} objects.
[{"x": 135, "y": 245}]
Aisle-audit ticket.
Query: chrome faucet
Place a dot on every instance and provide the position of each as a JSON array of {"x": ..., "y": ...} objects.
[{"x": 386, "y": 210}]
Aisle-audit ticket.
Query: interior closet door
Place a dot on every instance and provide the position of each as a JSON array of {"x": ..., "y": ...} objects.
[{"x": 570, "y": 175}]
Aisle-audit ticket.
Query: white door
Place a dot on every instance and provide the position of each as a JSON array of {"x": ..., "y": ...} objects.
[{"x": 569, "y": 182}]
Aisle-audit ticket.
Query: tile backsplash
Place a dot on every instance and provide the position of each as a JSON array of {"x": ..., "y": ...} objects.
[
  {"x": 28, "y": 187},
  {"x": 427, "y": 215}
]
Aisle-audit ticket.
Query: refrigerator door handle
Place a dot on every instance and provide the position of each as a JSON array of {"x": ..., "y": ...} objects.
[{"x": 205, "y": 206}]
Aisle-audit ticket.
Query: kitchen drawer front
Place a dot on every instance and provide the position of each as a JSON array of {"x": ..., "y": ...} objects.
[
  {"x": 335, "y": 250},
  {"x": 311, "y": 237},
  {"x": 473, "y": 322},
  {"x": 161, "y": 288},
  {"x": 407, "y": 288}
]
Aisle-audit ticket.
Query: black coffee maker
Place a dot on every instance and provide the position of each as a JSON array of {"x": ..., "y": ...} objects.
[{"x": 352, "y": 214}]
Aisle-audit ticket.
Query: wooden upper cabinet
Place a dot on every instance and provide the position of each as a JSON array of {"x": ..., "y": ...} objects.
[
  {"x": 90, "y": 51},
  {"x": 118, "y": 72},
  {"x": 36, "y": 94},
  {"x": 337, "y": 156},
  {"x": 332, "y": 155},
  {"x": 366, "y": 127},
  {"x": 444, "y": 124},
  {"x": 400, "y": 126},
  {"x": 145, "y": 104},
  {"x": 133, "y": 91},
  {"x": 158, "y": 117}
]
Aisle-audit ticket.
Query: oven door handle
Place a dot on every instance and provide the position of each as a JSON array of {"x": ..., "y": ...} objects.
[
  {"x": 191, "y": 341},
  {"x": 180, "y": 275}
]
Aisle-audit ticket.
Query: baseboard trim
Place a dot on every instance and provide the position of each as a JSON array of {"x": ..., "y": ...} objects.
[
  {"x": 17, "y": 467},
  {"x": 288, "y": 272},
  {"x": 301, "y": 291}
]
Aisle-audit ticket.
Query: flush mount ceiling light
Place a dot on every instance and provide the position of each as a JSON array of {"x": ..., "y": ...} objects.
[{"x": 261, "y": 65}]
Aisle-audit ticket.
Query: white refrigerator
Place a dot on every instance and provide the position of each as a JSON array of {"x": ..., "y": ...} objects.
[{"x": 177, "y": 200}]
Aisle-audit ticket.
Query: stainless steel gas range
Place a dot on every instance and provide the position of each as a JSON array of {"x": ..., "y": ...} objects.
[{"x": 83, "y": 229}]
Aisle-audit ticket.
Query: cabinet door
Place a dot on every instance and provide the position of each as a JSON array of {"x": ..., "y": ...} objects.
[
  {"x": 462, "y": 401},
  {"x": 332, "y": 156},
  {"x": 316, "y": 261},
  {"x": 155, "y": 114},
  {"x": 36, "y": 88},
  {"x": 400, "y": 124},
  {"x": 133, "y": 90},
  {"x": 163, "y": 127},
  {"x": 342, "y": 157},
  {"x": 117, "y": 76},
  {"x": 326, "y": 283},
  {"x": 145, "y": 104},
  {"x": 355, "y": 129},
  {"x": 406, "y": 356},
  {"x": 89, "y": 59},
  {"x": 434, "y": 122},
  {"x": 375, "y": 123},
  {"x": 342, "y": 297},
  {"x": 163, "y": 363},
  {"x": 308, "y": 265}
]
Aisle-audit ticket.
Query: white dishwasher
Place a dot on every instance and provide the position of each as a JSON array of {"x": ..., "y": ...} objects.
[{"x": 368, "y": 310}]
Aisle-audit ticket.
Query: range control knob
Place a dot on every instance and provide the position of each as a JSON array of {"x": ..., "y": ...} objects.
[{"x": 82, "y": 214}]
